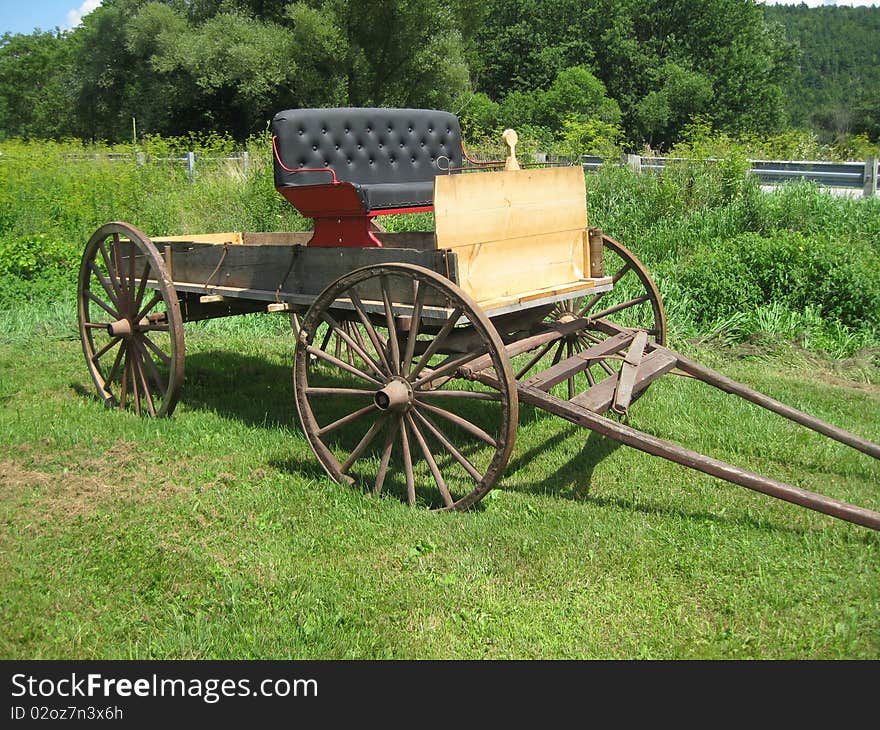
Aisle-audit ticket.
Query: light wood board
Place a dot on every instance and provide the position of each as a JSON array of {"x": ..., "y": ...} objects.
[{"x": 515, "y": 232}]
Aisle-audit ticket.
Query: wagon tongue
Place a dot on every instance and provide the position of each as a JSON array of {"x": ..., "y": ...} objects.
[{"x": 644, "y": 362}]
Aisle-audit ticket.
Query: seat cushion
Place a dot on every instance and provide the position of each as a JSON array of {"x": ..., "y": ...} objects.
[{"x": 397, "y": 195}]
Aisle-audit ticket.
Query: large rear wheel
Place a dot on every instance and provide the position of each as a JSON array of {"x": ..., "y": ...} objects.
[{"x": 390, "y": 414}]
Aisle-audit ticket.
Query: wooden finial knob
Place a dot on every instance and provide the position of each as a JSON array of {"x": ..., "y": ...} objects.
[{"x": 510, "y": 138}]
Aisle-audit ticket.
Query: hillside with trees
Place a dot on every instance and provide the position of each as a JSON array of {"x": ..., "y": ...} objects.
[{"x": 836, "y": 88}]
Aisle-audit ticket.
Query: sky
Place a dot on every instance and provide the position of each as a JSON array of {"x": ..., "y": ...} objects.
[{"x": 23, "y": 16}]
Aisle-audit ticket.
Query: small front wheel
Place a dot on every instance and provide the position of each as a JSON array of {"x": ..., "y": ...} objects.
[{"x": 129, "y": 322}]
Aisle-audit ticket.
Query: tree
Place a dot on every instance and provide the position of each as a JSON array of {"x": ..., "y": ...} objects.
[
  {"x": 35, "y": 95},
  {"x": 717, "y": 56}
]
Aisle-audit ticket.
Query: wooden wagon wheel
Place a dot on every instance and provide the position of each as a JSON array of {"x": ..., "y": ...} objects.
[
  {"x": 129, "y": 321},
  {"x": 398, "y": 405},
  {"x": 634, "y": 303}
]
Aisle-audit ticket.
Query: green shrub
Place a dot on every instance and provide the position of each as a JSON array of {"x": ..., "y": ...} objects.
[
  {"x": 36, "y": 256},
  {"x": 740, "y": 274}
]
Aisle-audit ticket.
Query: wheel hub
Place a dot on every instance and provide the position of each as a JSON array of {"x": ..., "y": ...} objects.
[
  {"x": 120, "y": 328},
  {"x": 397, "y": 395}
]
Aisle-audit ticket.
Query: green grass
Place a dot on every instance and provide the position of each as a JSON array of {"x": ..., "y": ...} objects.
[{"x": 215, "y": 534}]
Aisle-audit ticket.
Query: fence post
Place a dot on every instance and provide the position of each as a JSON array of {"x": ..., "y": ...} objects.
[
  {"x": 190, "y": 164},
  {"x": 634, "y": 162},
  {"x": 245, "y": 157},
  {"x": 870, "y": 188}
]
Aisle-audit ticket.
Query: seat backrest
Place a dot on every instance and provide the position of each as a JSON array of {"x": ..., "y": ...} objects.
[{"x": 365, "y": 145}]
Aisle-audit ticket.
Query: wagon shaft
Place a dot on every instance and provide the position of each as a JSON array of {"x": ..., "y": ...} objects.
[{"x": 586, "y": 410}]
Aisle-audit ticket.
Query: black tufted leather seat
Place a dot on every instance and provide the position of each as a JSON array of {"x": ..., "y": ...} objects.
[{"x": 389, "y": 156}]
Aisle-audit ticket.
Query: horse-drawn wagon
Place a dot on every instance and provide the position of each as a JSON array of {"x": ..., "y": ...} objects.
[{"x": 413, "y": 349}]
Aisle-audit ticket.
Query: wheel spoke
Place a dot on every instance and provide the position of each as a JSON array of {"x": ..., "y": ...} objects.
[
  {"x": 342, "y": 365},
  {"x": 349, "y": 353},
  {"x": 111, "y": 275},
  {"x": 468, "y": 394},
  {"x": 364, "y": 443},
  {"x": 415, "y": 323},
  {"x": 591, "y": 302},
  {"x": 407, "y": 465},
  {"x": 461, "y": 423},
  {"x": 622, "y": 272},
  {"x": 337, "y": 345},
  {"x": 534, "y": 360},
  {"x": 450, "y": 366},
  {"x": 449, "y": 446},
  {"x": 386, "y": 456},
  {"x": 591, "y": 380},
  {"x": 148, "y": 396},
  {"x": 358, "y": 336},
  {"x": 353, "y": 416},
  {"x": 100, "y": 353},
  {"x": 606, "y": 367},
  {"x": 154, "y": 371},
  {"x": 393, "y": 342},
  {"x": 618, "y": 307},
  {"x": 570, "y": 353},
  {"x": 124, "y": 378},
  {"x": 135, "y": 390},
  {"x": 557, "y": 356},
  {"x": 432, "y": 464},
  {"x": 131, "y": 278},
  {"x": 326, "y": 340},
  {"x": 377, "y": 341},
  {"x": 353, "y": 346},
  {"x": 157, "y": 297},
  {"x": 166, "y": 359},
  {"x": 112, "y": 374},
  {"x": 142, "y": 287},
  {"x": 436, "y": 342},
  {"x": 106, "y": 283},
  {"x": 101, "y": 303},
  {"x": 114, "y": 254},
  {"x": 340, "y": 391}
]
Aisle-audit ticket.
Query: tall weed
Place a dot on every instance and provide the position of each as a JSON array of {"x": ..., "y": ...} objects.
[{"x": 730, "y": 259}]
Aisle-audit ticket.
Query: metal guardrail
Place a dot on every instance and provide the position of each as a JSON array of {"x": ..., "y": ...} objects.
[
  {"x": 845, "y": 175},
  {"x": 189, "y": 159}
]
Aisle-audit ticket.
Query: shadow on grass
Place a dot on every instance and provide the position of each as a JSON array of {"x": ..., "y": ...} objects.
[
  {"x": 572, "y": 478},
  {"x": 260, "y": 393},
  {"x": 243, "y": 387}
]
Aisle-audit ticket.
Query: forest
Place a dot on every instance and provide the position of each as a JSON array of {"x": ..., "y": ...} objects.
[{"x": 608, "y": 74}]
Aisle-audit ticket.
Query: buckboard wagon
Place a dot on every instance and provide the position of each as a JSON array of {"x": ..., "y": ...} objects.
[{"x": 414, "y": 349}]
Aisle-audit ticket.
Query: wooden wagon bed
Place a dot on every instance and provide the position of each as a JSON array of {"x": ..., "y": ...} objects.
[{"x": 510, "y": 241}]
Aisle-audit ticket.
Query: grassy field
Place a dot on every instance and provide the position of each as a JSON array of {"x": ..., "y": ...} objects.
[{"x": 215, "y": 534}]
